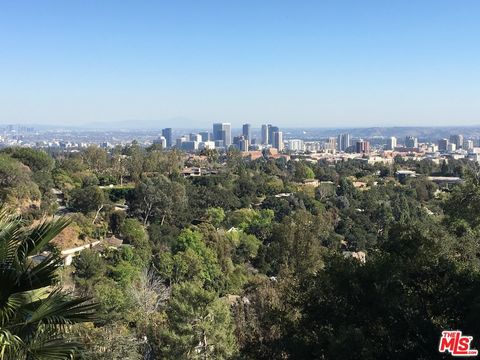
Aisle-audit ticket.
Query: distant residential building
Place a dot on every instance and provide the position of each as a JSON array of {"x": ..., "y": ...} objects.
[
  {"x": 167, "y": 134},
  {"x": 457, "y": 139},
  {"x": 344, "y": 141},
  {"x": 295, "y": 145},
  {"x": 247, "y": 132},
  {"x": 411, "y": 142},
  {"x": 362, "y": 147},
  {"x": 391, "y": 143},
  {"x": 404, "y": 174},
  {"x": 278, "y": 140},
  {"x": 223, "y": 132},
  {"x": 206, "y": 145},
  {"x": 443, "y": 144}
]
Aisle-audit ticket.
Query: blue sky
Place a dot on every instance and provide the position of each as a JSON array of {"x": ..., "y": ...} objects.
[{"x": 293, "y": 63}]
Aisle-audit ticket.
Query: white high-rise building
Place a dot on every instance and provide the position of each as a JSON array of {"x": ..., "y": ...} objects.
[
  {"x": 264, "y": 134},
  {"x": 451, "y": 147},
  {"x": 295, "y": 145},
  {"x": 207, "y": 145},
  {"x": 391, "y": 143},
  {"x": 468, "y": 144},
  {"x": 161, "y": 141}
]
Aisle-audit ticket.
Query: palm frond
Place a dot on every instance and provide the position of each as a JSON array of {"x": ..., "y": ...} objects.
[
  {"x": 9, "y": 239},
  {"x": 39, "y": 275},
  {"x": 9, "y": 344},
  {"x": 49, "y": 344},
  {"x": 39, "y": 236},
  {"x": 57, "y": 309},
  {"x": 34, "y": 317}
]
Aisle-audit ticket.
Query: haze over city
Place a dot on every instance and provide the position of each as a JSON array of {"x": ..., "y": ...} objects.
[{"x": 188, "y": 64}]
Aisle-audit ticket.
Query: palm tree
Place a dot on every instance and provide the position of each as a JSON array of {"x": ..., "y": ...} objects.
[{"x": 35, "y": 315}]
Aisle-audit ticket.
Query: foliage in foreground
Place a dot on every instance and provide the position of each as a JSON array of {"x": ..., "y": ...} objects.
[{"x": 34, "y": 314}]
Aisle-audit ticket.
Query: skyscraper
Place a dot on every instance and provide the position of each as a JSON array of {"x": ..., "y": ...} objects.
[
  {"x": 362, "y": 147},
  {"x": 167, "y": 134},
  {"x": 344, "y": 141},
  {"x": 468, "y": 144},
  {"x": 264, "y": 134},
  {"x": 271, "y": 133},
  {"x": 223, "y": 132},
  {"x": 243, "y": 144},
  {"x": 443, "y": 145},
  {"x": 391, "y": 143},
  {"x": 205, "y": 135},
  {"x": 247, "y": 132},
  {"x": 411, "y": 142},
  {"x": 278, "y": 140},
  {"x": 331, "y": 144},
  {"x": 457, "y": 140}
]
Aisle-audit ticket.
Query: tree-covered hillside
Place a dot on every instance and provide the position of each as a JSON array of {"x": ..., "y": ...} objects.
[{"x": 251, "y": 259}]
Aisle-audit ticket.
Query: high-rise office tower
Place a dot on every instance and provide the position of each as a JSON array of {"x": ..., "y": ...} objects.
[
  {"x": 227, "y": 128},
  {"x": 362, "y": 147},
  {"x": 243, "y": 144},
  {"x": 223, "y": 132},
  {"x": 468, "y": 144},
  {"x": 271, "y": 133},
  {"x": 457, "y": 140},
  {"x": 332, "y": 143},
  {"x": 278, "y": 140},
  {"x": 344, "y": 141},
  {"x": 247, "y": 132},
  {"x": 452, "y": 147},
  {"x": 391, "y": 143},
  {"x": 167, "y": 134},
  {"x": 443, "y": 144},
  {"x": 411, "y": 142},
  {"x": 205, "y": 135},
  {"x": 264, "y": 134}
]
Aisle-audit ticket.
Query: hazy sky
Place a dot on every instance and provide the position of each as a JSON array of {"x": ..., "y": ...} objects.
[{"x": 293, "y": 63}]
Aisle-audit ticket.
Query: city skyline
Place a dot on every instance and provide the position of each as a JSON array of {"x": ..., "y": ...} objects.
[{"x": 315, "y": 65}]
